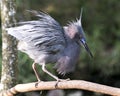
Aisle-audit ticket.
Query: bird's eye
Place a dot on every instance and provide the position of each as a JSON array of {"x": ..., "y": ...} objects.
[
  {"x": 80, "y": 36},
  {"x": 77, "y": 36}
]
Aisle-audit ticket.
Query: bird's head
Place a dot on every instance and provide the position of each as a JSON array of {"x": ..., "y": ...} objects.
[{"x": 77, "y": 34}]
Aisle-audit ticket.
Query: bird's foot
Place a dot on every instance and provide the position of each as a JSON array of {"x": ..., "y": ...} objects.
[
  {"x": 36, "y": 84},
  {"x": 61, "y": 80}
]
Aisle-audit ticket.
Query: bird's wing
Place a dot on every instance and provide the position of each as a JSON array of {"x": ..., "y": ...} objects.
[{"x": 43, "y": 34}]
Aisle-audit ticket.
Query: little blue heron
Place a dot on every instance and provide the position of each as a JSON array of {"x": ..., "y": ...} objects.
[{"x": 46, "y": 42}]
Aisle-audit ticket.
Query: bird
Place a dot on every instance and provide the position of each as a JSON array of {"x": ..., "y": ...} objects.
[{"x": 45, "y": 41}]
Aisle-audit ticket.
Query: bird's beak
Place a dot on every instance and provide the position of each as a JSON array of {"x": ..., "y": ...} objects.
[{"x": 86, "y": 47}]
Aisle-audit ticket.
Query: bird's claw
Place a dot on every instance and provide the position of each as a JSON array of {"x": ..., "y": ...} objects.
[
  {"x": 61, "y": 80},
  {"x": 36, "y": 84}
]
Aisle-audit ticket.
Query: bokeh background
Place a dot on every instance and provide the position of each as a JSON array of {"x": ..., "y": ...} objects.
[{"x": 101, "y": 23}]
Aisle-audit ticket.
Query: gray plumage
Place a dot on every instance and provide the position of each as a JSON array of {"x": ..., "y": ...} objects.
[{"x": 45, "y": 41}]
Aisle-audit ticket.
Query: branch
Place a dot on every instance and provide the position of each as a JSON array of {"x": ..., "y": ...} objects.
[{"x": 72, "y": 84}]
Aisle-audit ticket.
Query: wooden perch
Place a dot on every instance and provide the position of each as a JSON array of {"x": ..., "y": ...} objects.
[{"x": 72, "y": 84}]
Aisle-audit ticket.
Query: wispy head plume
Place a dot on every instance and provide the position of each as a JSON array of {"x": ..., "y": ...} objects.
[{"x": 79, "y": 20}]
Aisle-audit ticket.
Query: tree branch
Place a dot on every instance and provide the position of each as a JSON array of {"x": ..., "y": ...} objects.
[{"x": 72, "y": 84}]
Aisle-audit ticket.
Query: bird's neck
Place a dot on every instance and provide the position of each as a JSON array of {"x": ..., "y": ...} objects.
[
  {"x": 68, "y": 58},
  {"x": 67, "y": 35}
]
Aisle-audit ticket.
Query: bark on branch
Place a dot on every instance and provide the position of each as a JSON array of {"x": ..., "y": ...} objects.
[{"x": 72, "y": 84}]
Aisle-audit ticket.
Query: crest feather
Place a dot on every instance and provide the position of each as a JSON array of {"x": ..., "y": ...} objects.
[{"x": 79, "y": 20}]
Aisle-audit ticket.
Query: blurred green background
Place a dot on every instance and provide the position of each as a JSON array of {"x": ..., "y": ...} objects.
[{"x": 101, "y": 23}]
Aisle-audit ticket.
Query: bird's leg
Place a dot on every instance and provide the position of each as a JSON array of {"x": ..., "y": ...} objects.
[
  {"x": 46, "y": 71},
  {"x": 36, "y": 73},
  {"x": 55, "y": 77}
]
